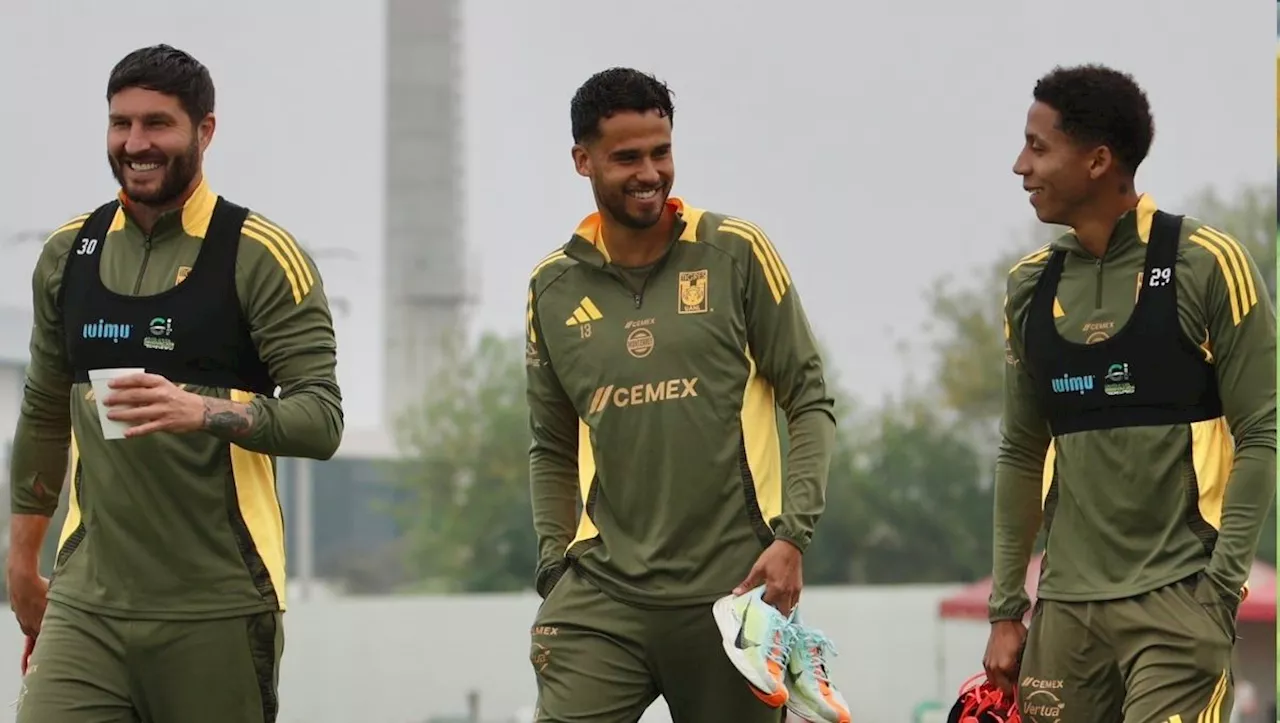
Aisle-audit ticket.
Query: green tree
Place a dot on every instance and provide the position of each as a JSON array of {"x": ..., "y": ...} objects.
[
  {"x": 902, "y": 484},
  {"x": 847, "y": 524},
  {"x": 847, "y": 528},
  {"x": 906, "y": 503},
  {"x": 467, "y": 516}
]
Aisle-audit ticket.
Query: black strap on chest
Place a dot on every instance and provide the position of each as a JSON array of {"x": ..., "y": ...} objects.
[
  {"x": 92, "y": 236},
  {"x": 1147, "y": 373},
  {"x": 194, "y": 332}
]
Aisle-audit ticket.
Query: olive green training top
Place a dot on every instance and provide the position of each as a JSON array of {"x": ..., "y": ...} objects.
[
  {"x": 177, "y": 526},
  {"x": 1129, "y": 500},
  {"x": 654, "y": 400}
]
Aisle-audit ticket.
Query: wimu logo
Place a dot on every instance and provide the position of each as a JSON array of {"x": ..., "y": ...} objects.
[
  {"x": 102, "y": 329},
  {"x": 1067, "y": 384}
]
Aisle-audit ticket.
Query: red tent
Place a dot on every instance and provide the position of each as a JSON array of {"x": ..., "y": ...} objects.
[{"x": 971, "y": 601}]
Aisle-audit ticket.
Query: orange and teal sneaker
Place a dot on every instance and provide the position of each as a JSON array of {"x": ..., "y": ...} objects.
[
  {"x": 758, "y": 640},
  {"x": 812, "y": 695}
]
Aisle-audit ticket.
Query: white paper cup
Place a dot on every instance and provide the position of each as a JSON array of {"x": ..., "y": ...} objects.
[{"x": 111, "y": 429}]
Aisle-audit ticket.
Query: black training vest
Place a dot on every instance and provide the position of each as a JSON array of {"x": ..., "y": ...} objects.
[
  {"x": 1148, "y": 373},
  {"x": 194, "y": 333}
]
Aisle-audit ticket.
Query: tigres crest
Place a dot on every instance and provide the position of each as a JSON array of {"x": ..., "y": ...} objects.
[{"x": 693, "y": 292}]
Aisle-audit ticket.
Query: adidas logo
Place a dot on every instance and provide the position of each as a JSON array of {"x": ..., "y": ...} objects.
[{"x": 585, "y": 312}]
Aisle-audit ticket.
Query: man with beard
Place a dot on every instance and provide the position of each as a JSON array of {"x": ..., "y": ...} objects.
[
  {"x": 168, "y": 585},
  {"x": 659, "y": 340}
]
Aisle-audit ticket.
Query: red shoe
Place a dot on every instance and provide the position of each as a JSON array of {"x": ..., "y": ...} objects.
[{"x": 982, "y": 702}]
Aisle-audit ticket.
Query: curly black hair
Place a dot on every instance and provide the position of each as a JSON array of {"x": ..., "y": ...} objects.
[
  {"x": 1101, "y": 105},
  {"x": 612, "y": 91},
  {"x": 167, "y": 70}
]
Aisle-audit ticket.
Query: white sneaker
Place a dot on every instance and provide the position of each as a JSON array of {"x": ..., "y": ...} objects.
[
  {"x": 758, "y": 640},
  {"x": 812, "y": 695}
]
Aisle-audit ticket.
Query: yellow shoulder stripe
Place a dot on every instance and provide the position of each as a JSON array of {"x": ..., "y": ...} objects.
[
  {"x": 775, "y": 272},
  {"x": 74, "y": 224},
  {"x": 1036, "y": 256},
  {"x": 286, "y": 251},
  {"x": 529, "y": 327},
  {"x": 289, "y": 245},
  {"x": 1242, "y": 292},
  {"x": 529, "y": 332},
  {"x": 546, "y": 261}
]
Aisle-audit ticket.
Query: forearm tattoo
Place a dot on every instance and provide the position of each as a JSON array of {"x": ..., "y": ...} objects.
[{"x": 224, "y": 417}]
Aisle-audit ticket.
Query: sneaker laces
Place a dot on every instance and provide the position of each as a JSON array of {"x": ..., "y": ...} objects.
[
  {"x": 979, "y": 697},
  {"x": 782, "y": 637},
  {"x": 816, "y": 646}
]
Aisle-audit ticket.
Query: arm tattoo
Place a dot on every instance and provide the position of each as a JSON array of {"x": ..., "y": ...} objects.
[{"x": 230, "y": 418}]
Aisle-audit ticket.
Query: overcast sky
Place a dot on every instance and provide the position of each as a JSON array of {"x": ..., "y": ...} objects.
[{"x": 873, "y": 140}]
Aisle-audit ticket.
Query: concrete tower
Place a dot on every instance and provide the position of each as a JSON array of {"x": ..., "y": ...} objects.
[{"x": 425, "y": 269}]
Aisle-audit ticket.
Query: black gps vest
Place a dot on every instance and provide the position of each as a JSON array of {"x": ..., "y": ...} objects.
[
  {"x": 194, "y": 333},
  {"x": 1148, "y": 373}
]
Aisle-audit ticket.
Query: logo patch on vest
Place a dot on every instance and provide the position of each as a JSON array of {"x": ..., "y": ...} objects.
[
  {"x": 159, "y": 329},
  {"x": 103, "y": 329},
  {"x": 1067, "y": 384},
  {"x": 1118, "y": 380}
]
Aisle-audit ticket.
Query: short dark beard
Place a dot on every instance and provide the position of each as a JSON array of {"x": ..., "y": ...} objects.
[
  {"x": 179, "y": 171},
  {"x": 619, "y": 213}
]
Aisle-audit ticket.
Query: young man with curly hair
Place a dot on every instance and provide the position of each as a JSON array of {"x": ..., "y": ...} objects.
[{"x": 1139, "y": 429}]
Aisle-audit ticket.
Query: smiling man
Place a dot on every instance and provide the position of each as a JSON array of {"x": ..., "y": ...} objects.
[
  {"x": 1139, "y": 429},
  {"x": 168, "y": 588},
  {"x": 659, "y": 340}
]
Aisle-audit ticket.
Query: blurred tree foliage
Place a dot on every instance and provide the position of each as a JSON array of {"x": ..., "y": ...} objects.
[{"x": 909, "y": 496}]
